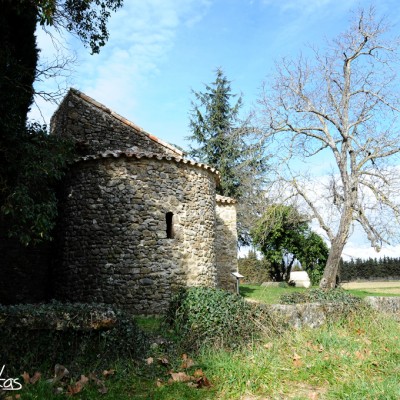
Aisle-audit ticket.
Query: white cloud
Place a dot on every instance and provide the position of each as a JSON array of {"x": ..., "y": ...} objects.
[
  {"x": 355, "y": 250},
  {"x": 142, "y": 35},
  {"x": 146, "y": 31}
]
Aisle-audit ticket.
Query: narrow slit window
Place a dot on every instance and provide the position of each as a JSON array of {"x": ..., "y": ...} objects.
[{"x": 170, "y": 226}]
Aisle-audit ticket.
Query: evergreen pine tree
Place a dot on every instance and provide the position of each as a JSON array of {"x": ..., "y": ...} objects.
[
  {"x": 214, "y": 124},
  {"x": 223, "y": 141}
]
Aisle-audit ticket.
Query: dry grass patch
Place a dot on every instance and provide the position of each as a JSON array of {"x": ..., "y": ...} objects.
[{"x": 371, "y": 285}]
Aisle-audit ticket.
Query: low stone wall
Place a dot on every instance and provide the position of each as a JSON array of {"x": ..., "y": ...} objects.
[
  {"x": 385, "y": 304},
  {"x": 313, "y": 315},
  {"x": 60, "y": 318}
]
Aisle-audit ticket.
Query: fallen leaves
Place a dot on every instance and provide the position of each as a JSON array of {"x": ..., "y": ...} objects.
[
  {"x": 318, "y": 348},
  {"x": 186, "y": 362},
  {"x": 149, "y": 360},
  {"x": 201, "y": 379},
  {"x": 63, "y": 385},
  {"x": 107, "y": 373},
  {"x": 297, "y": 362},
  {"x": 196, "y": 380},
  {"x": 14, "y": 397},
  {"x": 163, "y": 361},
  {"x": 179, "y": 377},
  {"x": 78, "y": 386},
  {"x": 31, "y": 380}
]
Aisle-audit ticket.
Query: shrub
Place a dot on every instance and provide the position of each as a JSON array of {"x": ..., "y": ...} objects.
[
  {"x": 315, "y": 275},
  {"x": 211, "y": 317},
  {"x": 255, "y": 271},
  {"x": 321, "y": 296}
]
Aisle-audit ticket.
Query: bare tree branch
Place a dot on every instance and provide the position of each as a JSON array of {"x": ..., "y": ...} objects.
[{"x": 344, "y": 105}]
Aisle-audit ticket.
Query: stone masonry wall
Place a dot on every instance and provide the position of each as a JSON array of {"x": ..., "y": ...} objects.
[
  {"x": 96, "y": 128},
  {"x": 226, "y": 242},
  {"x": 115, "y": 247}
]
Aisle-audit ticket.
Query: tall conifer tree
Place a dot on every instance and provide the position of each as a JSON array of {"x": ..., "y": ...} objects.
[
  {"x": 226, "y": 142},
  {"x": 214, "y": 124}
]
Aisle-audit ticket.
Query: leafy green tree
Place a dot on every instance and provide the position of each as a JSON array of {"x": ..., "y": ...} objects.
[
  {"x": 283, "y": 230},
  {"x": 226, "y": 143},
  {"x": 31, "y": 162},
  {"x": 314, "y": 255},
  {"x": 29, "y": 205}
]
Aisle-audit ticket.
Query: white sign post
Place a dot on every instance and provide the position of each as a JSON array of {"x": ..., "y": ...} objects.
[{"x": 237, "y": 276}]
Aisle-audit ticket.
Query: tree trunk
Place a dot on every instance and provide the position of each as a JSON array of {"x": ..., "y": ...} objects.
[
  {"x": 18, "y": 60},
  {"x": 288, "y": 270},
  {"x": 328, "y": 280}
]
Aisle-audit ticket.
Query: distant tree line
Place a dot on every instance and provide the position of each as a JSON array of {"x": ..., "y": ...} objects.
[{"x": 372, "y": 268}]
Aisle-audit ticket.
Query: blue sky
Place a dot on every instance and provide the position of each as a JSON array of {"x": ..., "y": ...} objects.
[{"x": 159, "y": 50}]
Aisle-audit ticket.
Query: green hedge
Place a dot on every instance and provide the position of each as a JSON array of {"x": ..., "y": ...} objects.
[{"x": 254, "y": 271}]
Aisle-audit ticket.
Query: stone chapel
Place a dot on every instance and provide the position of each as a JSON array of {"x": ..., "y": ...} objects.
[{"x": 138, "y": 220}]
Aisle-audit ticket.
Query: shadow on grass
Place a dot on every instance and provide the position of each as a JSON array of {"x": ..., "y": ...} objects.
[
  {"x": 266, "y": 294},
  {"x": 246, "y": 291}
]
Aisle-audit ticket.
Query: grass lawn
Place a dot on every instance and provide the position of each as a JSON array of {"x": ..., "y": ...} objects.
[
  {"x": 357, "y": 358},
  {"x": 269, "y": 295},
  {"x": 368, "y": 292},
  {"x": 373, "y": 288}
]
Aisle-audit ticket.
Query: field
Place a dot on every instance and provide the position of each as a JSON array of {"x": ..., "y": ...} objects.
[
  {"x": 373, "y": 288},
  {"x": 271, "y": 295},
  {"x": 371, "y": 285}
]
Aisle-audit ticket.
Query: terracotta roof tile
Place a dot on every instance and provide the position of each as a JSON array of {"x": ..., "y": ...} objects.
[
  {"x": 224, "y": 199},
  {"x": 145, "y": 154}
]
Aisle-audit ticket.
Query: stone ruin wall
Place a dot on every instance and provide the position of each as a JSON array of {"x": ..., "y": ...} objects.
[
  {"x": 226, "y": 243},
  {"x": 115, "y": 247},
  {"x": 96, "y": 128}
]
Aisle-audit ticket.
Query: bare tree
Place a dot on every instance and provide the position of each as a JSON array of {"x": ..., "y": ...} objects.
[{"x": 341, "y": 105}]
